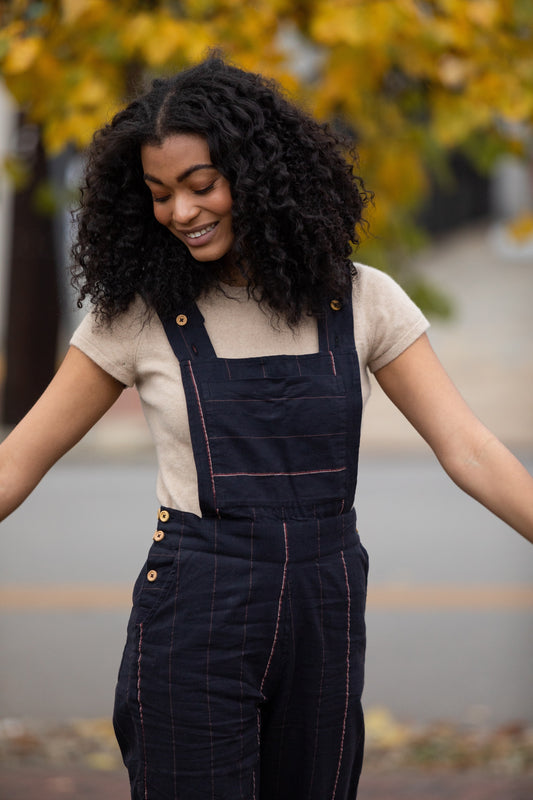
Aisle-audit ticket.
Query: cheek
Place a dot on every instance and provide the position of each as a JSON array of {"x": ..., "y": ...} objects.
[{"x": 161, "y": 214}]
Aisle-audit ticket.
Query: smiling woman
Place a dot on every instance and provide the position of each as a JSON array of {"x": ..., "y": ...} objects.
[
  {"x": 191, "y": 198},
  {"x": 243, "y": 667}
]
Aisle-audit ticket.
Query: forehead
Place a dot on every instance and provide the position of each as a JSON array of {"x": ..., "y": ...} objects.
[{"x": 176, "y": 153}]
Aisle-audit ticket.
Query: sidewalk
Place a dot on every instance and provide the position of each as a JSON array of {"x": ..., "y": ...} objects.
[
  {"x": 82, "y": 784},
  {"x": 80, "y": 760}
]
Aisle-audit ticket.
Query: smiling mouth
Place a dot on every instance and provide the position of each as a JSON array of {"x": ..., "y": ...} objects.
[{"x": 201, "y": 232}]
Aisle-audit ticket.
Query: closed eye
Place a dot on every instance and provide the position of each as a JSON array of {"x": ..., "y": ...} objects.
[
  {"x": 161, "y": 199},
  {"x": 206, "y": 189}
]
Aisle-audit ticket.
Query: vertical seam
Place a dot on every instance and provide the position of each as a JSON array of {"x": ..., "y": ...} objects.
[
  {"x": 283, "y": 725},
  {"x": 321, "y": 687},
  {"x": 171, "y": 649},
  {"x": 244, "y": 635},
  {"x": 206, "y": 438},
  {"x": 185, "y": 342},
  {"x": 207, "y": 664},
  {"x": 343, "y": 733},
  {"x": 141, "y": 714},
  {"x": 280, "y": 601}
]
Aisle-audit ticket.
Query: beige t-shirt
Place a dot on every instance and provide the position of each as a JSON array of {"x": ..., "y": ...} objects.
[{"x": 136, "y": 351}]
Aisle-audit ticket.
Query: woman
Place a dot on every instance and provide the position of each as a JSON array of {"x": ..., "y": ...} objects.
[{"x": 215, "y": 234}]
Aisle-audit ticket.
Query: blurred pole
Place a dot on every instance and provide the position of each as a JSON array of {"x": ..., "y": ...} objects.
[{"x": 33, "y": 309}]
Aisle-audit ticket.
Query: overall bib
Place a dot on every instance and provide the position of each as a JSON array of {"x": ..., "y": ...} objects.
[{"x": 242, "y": 673}]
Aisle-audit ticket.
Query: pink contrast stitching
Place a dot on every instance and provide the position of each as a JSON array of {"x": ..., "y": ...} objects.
[
  {"x": 244, "y": 646},
  {"x": 205, "y": 435},
  {"x": 186, "y": 343},
  {"x": 275, "y": 474},
  {"x": 290, "y": 436},
  {"x": 321, "y": 689},
  {"x": 207, "y": 663},
  {"x": 348, "y": 598},
  {"x": 170, "y": 682},
  {"x": 333, "y": 363},
  {"x": 141, "y": 715},
  {"x": 280, "y": 601},
  {"x": 258, "y": 749},
  {"x": 275, "y": 399}
]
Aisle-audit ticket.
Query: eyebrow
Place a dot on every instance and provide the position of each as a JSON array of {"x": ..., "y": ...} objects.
[{"x": 182, "y": 176}]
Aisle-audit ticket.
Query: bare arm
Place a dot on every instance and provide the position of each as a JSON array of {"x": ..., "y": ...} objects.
[
  {"x": 471, "y": 455},
  {"x": 80, "y": 393}
]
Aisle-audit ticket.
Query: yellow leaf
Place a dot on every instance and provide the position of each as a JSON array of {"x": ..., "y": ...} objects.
[
  {"x": 72, "y": 10},
  {"x": 22, "y": 55},
  {"x": 90, "y": 92},
  {"x": 521, "y": 228},
  {"x": 484, "y": 13},
  {"x": 332, "y": 24},
  {"x": 383, "y": 730},
  {"x": 454, "y": 118},
  {"x": 137, "y": 30}
]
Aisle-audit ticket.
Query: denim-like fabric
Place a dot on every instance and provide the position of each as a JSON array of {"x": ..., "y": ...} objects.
[{"x": 243, "y": 668}]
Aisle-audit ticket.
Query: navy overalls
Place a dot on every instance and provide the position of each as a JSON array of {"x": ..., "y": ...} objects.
[{"x": 243, "y": 670}]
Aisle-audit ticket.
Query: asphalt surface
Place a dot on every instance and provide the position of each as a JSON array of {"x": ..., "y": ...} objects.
[{"x": 43, "y": 784}]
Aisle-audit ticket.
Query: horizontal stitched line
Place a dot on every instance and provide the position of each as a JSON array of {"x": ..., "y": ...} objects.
[
  {"x": 291, "y": 436},
  {"x": 274, "y": 474}
]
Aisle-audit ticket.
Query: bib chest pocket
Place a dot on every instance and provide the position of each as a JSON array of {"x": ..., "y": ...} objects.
[{"x": 277, "y": 440}]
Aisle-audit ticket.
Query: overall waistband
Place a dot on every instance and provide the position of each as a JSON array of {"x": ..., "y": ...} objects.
[{"x": 269, "y": 540}]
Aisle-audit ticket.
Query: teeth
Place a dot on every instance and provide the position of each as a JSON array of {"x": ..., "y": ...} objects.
[{"x": 196, "y": 234}]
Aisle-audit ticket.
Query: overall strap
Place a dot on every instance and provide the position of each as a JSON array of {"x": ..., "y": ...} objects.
[
  {"x": 335, "y": 326},
  {"x": 187, "y": 335}
]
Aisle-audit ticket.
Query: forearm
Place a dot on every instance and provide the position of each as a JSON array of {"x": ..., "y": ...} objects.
[
  {"x": 491, "y": 474},
  {"x": 80, "y": 393},
  {"x": 16, "y": 483},
  {"x": 471, "y": 455}
]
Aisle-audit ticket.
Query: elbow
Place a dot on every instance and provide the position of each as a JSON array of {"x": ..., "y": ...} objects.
[{"x": 464, "y": 459}]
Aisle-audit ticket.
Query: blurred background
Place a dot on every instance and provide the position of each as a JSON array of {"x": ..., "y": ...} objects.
[{"x": 439, "y": 97}]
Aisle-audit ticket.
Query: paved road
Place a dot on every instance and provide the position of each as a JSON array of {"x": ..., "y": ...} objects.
[
  {"x": 61, "y": 784},
  {"x": 450, "y": 599}
]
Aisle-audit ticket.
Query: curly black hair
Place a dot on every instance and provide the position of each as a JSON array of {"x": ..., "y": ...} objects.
[{"x": 296, "y": 202}]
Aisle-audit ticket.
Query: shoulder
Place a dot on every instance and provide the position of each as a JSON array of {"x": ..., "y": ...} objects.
[
  {"x": 371, "y": 284},
  {"x": 130, "y": 322},
  {"x": 113, "y": 345},
  {"x": 386, "y": 320}
]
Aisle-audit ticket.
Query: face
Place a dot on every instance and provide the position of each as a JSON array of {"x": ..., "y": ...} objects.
[{"x": 190, "y": 196}]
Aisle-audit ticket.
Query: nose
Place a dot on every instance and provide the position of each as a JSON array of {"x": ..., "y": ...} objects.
[{"x": 184, "y": 209}]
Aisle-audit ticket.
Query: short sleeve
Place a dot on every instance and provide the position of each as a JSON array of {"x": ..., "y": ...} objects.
[
  {"x": 386, "y": 321},
  {"x": 113, "y": 346}
]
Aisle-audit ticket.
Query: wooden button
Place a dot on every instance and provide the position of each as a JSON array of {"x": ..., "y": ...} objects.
[
  {"x": 158, "y": 535},
  {"x": 152, "y": 575},
  {"x": 335, "y": 305},
  {"x": 181, "y": 319},
  {"x": 164, "y": 515}
]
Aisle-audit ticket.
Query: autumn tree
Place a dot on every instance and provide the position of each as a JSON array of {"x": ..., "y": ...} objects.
[{"x": 412, "y": 80}]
